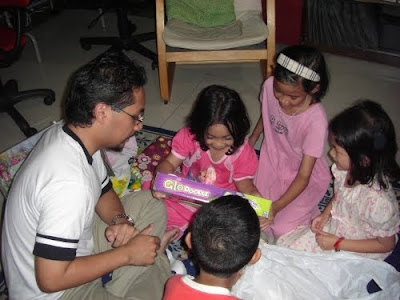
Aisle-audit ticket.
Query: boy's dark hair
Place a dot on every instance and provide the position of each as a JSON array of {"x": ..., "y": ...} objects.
[
  {"x": 109, "y": 78},
  {"x": 313, "y": 59},
  {"x": 367, "y": 134},
  {"x": 219, "y": 105},
  {"x": 225, "y": 235}
]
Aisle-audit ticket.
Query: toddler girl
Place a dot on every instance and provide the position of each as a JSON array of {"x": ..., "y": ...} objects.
[
  {"x": 292, "y": 170},
  {"x": 363, "y": 215},
  {"x": 212, "y": 148}
]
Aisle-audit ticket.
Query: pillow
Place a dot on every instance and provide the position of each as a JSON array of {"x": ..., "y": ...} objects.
[{"x": 204, "y": 13}]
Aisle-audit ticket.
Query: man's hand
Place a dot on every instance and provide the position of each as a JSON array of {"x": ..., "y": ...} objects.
[
  {"x": 120, "y": 234},
  {"x": 143, "y": 248}
]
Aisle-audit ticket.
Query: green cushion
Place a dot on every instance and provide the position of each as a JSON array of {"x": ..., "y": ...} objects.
[{"x": 203, "y": 13}]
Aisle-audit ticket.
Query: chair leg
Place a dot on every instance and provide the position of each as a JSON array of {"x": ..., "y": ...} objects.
[
  {"x": 35, "y": 45},
  {"x": 165, "y": 75},
  {"x": 21, "y": 122},
  {"x": 102, "y": 22},
  {"x": 49, "y": 95}
]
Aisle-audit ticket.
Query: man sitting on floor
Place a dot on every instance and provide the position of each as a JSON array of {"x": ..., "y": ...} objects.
[{"x": 64, "y": 226}]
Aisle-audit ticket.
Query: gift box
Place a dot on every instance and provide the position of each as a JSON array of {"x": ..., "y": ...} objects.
[{"x": 198, "y": 193}]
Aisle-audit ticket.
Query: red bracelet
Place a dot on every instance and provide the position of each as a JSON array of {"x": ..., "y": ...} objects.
[{"x": 336, "y": 245}]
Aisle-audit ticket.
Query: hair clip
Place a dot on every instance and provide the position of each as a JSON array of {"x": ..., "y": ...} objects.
[{"x": 297, "y": 68}]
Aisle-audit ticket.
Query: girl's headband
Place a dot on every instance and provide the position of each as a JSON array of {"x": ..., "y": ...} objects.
[{"x": 297, "y": 68}]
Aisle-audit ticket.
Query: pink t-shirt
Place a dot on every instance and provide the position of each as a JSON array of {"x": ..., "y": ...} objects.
[
  {"x": 286, "y": 140},
  {"x": 198, "y": 165},
  {"x": 183, "y": 287}
]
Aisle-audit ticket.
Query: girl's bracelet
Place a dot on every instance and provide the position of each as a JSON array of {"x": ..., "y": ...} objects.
[{"x": 337, "y": 244}]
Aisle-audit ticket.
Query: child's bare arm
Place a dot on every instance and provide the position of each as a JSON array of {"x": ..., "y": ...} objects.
[
  {"x": 256, "y": 132},
  {"x": 298, "y": 185},
  {"x": 377, "y": 245},
  {"x": 169, "y": 164},
  {"x": 246, "y": 186}
]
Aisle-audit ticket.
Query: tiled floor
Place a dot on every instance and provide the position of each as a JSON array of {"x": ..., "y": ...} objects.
[{"x": 58, "y": 39}]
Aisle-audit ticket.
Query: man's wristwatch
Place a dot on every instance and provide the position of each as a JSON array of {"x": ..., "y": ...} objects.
[{"x": 122, "y": 216}]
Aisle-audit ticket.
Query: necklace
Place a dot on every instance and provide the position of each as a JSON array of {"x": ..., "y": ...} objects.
[{"x": 299, "y": 109}]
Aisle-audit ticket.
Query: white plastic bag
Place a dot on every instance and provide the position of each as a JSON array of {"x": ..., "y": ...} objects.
[
  {"x": 120, "y": 163},
  {"x": 283, "y": 273}
]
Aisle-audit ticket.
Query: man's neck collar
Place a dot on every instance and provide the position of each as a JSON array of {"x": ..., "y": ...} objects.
[{"x": 72, "y": 134}]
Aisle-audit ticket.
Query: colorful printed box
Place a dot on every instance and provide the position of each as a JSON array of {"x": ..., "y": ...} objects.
[{"x": 198, "y": 193}]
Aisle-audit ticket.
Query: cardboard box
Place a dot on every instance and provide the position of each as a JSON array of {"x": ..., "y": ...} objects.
[{"x": 198, "y": 193}]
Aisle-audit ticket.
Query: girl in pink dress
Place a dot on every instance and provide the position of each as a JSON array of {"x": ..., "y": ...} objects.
[
  {"x": 293, "y": 171},
  {"x": 213, "y": 148},
  {"x": 363, "y": 216}
]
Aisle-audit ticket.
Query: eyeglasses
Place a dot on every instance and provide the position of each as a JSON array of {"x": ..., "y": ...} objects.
[{"x": 136, "y": 119}]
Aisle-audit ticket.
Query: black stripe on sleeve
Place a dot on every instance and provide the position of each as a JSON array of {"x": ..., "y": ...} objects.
[
  {"x": 54, "y": 253},
  {"x": 106, "y": 188}
]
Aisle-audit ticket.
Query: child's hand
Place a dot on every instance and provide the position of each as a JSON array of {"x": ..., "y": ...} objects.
[
  {"x": 156, "y": 194},
  {"x": 318, "y": 223},
  {"x": 326, "y": 241},
  {"x": 272, "y": 212},
  {"x": 264, "y": 223}
]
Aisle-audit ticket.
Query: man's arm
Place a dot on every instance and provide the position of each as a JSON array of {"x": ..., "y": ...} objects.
[
  {"x": 55, "y": 275},
  {"x": 108, "y": 206}
]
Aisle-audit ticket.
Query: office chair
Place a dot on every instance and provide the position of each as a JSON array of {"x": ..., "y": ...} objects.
[
  {"x": 125, "y": 40},
  {"x": 11, "y": 44}
]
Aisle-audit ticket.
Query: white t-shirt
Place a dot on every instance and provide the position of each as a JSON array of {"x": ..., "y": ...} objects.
[{"x": 50, "y": 209}]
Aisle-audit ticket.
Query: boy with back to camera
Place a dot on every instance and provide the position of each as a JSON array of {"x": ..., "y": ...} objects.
[{"x": 223, "y": 240}]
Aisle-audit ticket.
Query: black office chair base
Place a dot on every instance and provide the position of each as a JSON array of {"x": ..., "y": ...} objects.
[
  {"x": 125, "y": 40},
  {"x": 132, "y": 43},
  {"x": 9, "y": 96}
]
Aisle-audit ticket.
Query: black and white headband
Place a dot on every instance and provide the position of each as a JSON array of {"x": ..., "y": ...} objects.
[{"x": 297, "y": 68}]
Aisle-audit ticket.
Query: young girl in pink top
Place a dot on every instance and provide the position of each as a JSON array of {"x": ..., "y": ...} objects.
[
  {"x": 212, "y": 148},
  {"x": 363, "y": 216},
  {"x": 292, "y": 170}
]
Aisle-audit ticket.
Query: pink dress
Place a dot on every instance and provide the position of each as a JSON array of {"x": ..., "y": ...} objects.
[
  {"x": 286, "y": 140},
  {"x": 360, "y": 212},
  {"x": 198, "y": 165}
]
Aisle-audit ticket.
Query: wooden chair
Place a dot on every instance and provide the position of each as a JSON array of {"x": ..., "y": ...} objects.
[{"x": 169, "y": 55}]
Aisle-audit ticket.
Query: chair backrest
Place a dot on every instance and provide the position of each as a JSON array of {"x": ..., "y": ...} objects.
[
  {"x": 13, "y": 38},
  {"x": 246, "y": 5}
]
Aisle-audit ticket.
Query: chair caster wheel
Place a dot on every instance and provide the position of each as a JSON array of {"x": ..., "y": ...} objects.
[
  {"x": 31, "y": 131},
  {"x": 11, "y": 85},
  {"x": 86, "y": 46},
  {"x": 48, "y": 100}
]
